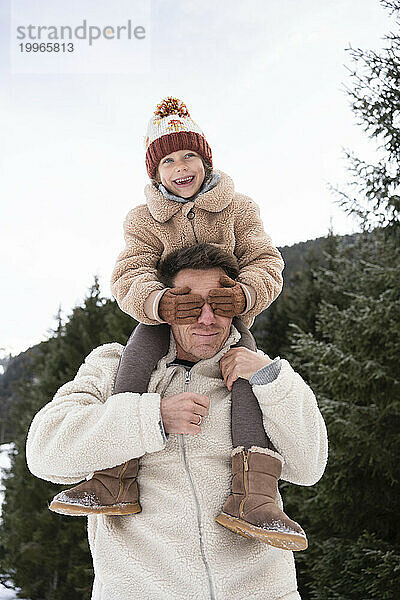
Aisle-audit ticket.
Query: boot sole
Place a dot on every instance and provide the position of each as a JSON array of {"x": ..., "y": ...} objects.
[
  {"x": 278, "y": 539},
  {"x": 76, "y": 510}
]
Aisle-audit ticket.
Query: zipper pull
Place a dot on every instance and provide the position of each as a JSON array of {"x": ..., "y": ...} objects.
[
  {"x": 187, "y": 380},
  {"x": 246, "y": 464}
]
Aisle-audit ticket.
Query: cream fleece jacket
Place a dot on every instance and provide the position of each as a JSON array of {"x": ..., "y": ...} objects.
[
  {"x": 174, "y": 549},
  {"x": 221, "y": 217}
]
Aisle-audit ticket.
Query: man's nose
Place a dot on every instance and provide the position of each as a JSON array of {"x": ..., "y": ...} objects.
[{"x": 207, "y": 316}]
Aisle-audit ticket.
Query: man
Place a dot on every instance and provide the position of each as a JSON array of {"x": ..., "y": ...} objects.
[{"x": 174, "y": 548}]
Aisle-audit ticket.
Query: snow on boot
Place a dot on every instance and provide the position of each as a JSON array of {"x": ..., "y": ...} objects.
[
  {"x": 251, "y": 510},
  {"x": 112, "y": 491}
]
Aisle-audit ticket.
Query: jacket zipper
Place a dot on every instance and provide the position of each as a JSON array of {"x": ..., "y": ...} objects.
[
  {"x": 245, "y": 482},
  {"x": 183, "y": 448}
]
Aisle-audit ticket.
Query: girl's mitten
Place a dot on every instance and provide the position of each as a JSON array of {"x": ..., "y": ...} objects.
[
  {"x": 229, "y": 300},
  {"x": 177, "y": 305}
]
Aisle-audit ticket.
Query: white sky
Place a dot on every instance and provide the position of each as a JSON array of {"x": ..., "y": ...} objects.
[{"x": 263, "y": 78}]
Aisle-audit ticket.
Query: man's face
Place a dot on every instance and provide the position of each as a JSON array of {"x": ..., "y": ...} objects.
[{"x": 207, "y": 336}]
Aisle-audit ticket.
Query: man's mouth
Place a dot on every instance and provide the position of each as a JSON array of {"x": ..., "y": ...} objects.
[
  {"x": 205, "y": 334},
  {"x": 184, "y": 181}
]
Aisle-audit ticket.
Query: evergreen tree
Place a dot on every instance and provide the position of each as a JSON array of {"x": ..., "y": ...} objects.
[
  {"x": 351, "y": 362},
  {"x": 43, "y": 553},
  {"x": 374, "y": 194},
  {"x": 352, "y": 365}
]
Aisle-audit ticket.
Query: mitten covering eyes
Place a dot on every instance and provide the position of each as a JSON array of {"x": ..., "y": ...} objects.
[
  {"x": 229, "y": 300},
  {"x": 178, "y": 305}
]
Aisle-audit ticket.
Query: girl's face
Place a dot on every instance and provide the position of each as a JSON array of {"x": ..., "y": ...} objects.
[{"x": 182, "y": 172}]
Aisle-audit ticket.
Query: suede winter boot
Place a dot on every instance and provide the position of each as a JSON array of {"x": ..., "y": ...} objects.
[
  {"x": 251, "y": 510},
  {"x": 111, "y": 491}
]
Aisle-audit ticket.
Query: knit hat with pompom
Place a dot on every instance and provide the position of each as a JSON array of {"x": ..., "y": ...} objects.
[{"x": 171, "y": 129}]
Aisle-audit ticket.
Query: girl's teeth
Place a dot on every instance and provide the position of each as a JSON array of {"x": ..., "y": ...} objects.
[{"x": 185, "y": 180}]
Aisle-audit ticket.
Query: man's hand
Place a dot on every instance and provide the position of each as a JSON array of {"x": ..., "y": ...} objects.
[
  {"x": 180, "y": 413},
  {"x": 241, "y": 362},
  {"x": 177, "y": 305},
  {"x": 229, "y": 300}
]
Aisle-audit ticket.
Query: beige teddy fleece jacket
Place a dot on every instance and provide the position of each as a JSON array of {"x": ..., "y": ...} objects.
[
  {"x": 221, "y": 217},
  {"x": 174, "y": 549}
]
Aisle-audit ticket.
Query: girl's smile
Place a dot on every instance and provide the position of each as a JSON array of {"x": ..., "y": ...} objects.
[{"x": 185, "y": 181}]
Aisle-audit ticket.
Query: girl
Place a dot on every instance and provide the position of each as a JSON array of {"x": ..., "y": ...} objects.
[{"x": 187, "y": 203}]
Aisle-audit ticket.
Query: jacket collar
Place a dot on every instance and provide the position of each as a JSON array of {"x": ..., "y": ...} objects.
[
  {"x": 205, "y": 187},
  {"x": 215, "y": 200},
  {"x": 233, "y": 338},
  {"x": 208, "y": 368}
]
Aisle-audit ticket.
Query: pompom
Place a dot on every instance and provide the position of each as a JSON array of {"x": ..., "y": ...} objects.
[{"x": 171, "y": 106}]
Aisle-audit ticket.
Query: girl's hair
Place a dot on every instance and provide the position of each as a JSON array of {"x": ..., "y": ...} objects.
[
  {"x": 207, "y": 173},
  {"x": 200, "y": 257}
]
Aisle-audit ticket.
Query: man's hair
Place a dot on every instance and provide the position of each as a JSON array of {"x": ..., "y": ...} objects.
[{"x": 199, "y": 256}]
